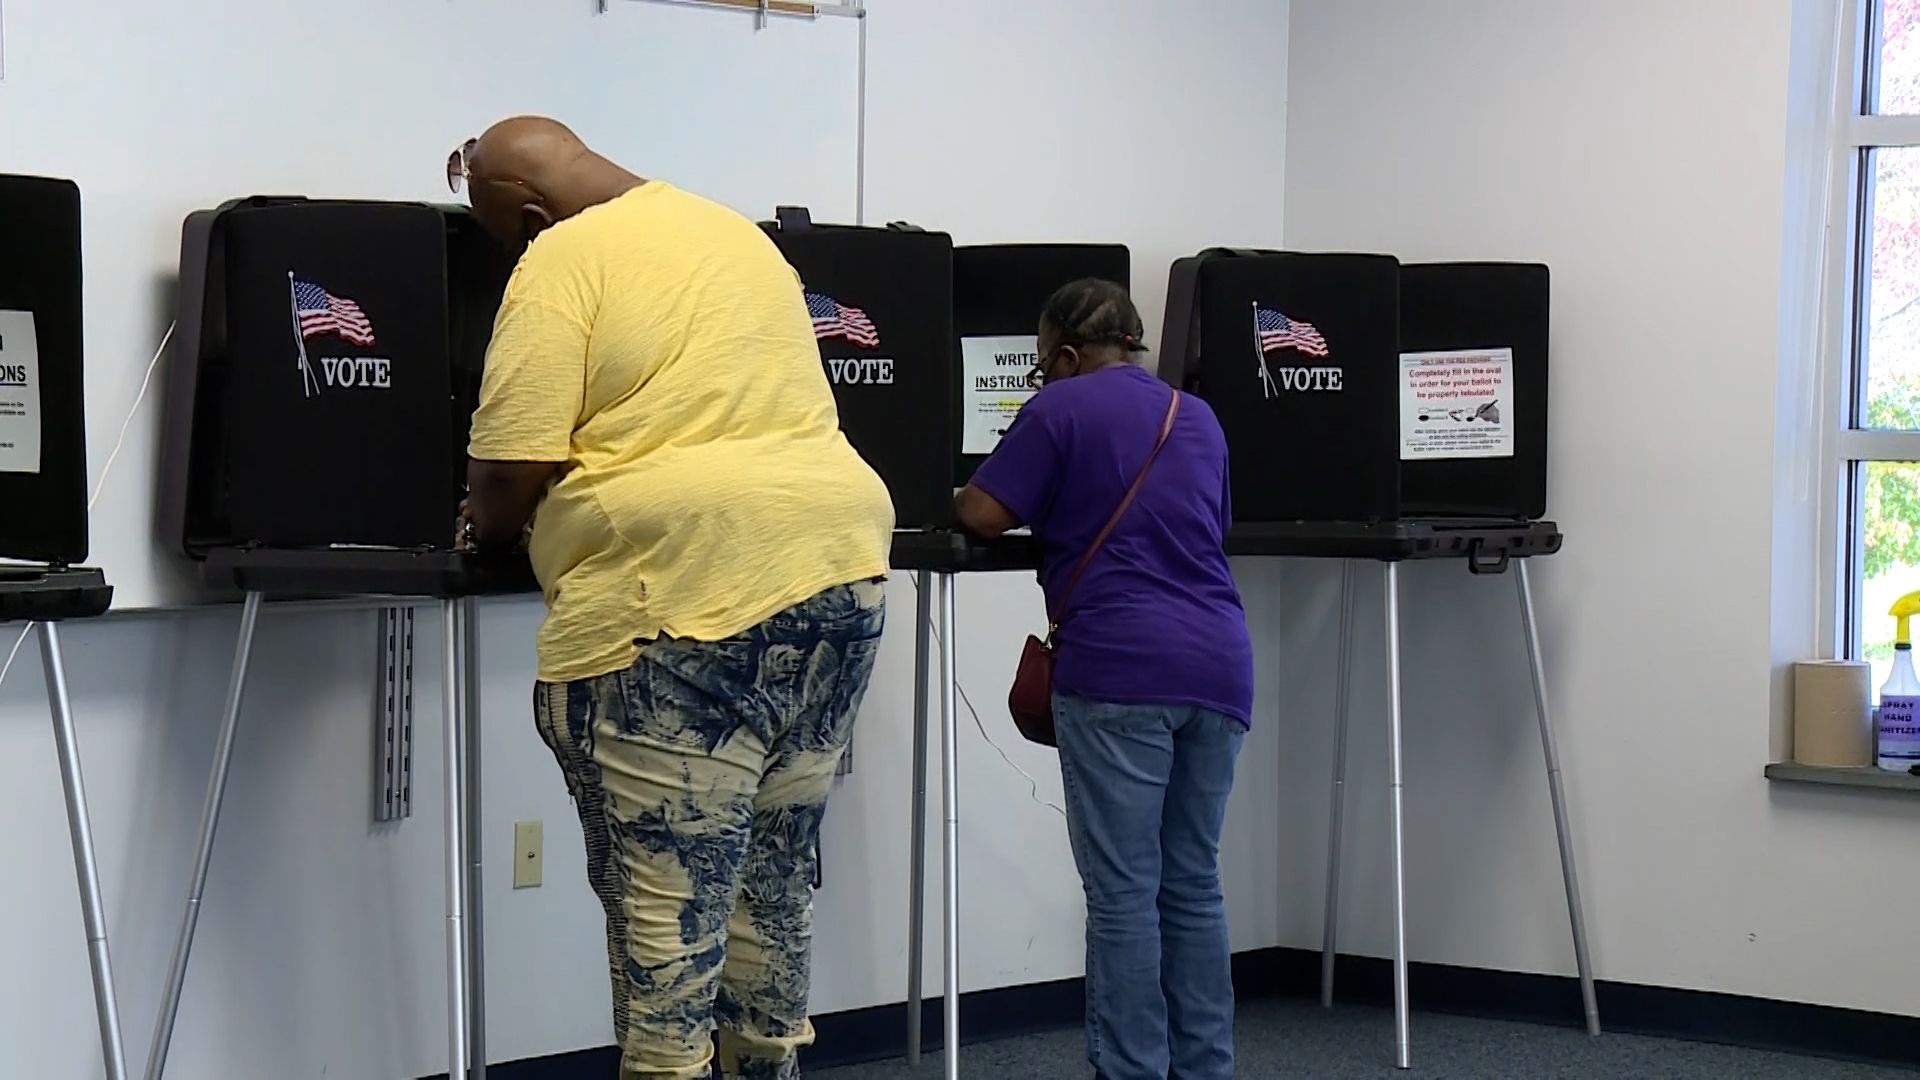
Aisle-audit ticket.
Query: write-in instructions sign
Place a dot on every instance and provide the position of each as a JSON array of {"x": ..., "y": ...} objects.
[
  {"x": 19, "y": 393},
  {"x": 995, "y": 370},
  {"x": 1456, "y": 404}
]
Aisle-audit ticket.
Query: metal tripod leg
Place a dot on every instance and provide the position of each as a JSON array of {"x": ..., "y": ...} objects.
[
  {"x": 203, "y": 851},
  {"x": 1561, "y": 827},
  {"x": 1329, "y": 942},
  {"x": 469, "y": 615},
  {"x": 950, "y": 847},
  {"x": 1401, "y": 1039},
  {"x": 80, "y": 830},
  {"x": 454, "y": 812},
  {"x": 917, "y": 853}
]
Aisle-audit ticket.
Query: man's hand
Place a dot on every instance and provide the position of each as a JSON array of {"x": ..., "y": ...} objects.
[
  {"x": 463, "y": 528},
  {"x": 501, "y": 499}
]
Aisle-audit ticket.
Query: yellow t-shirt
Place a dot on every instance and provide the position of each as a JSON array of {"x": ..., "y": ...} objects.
[{"x": 660, "y": 346}]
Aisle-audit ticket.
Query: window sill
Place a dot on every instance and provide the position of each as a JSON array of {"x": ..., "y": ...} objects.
[{"x": 1872, "y": 778}]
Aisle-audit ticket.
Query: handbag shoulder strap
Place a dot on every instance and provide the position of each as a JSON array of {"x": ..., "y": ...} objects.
[{"x": 1133, "y": 491}]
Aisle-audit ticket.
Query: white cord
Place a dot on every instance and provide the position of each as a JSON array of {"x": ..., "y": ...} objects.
[
  {"x": 1033, "y": 786},
  {"x": 15, "y": 651},
  {"x": 101, "y": 484},
  {"x": 145, "y": 381}
]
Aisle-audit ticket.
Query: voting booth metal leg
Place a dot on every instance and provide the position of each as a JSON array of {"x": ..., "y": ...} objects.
[
  {"x": 203, "y": 851},
  {"x": 86, "y": 867},
  {"x": 468, "y": 612},
  {"x": 917, "y": 853},
  {"x": 454, "y": 768},
  {"x": 1557, "y": 790},
  {"x": 1396, "y": 785},
  {"x": 1329, "y": 941},
  {"x": 950, "y": 845}
]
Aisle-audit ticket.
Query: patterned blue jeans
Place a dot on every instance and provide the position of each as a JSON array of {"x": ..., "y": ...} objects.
[{"x": 701, "y": 774}]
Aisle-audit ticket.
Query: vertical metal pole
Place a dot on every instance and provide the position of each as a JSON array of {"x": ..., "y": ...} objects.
[
  {"x": 93, "y": 910},
  {"x": 1401, "y": 1039},
  {"x": 203, "y": 852},
  {"x": 454, "y": 815},
  {"x": 469, "y": 613},
  {"x": 950, "y": 763},
  {"x": 1561, "y": 827},
  {"x": 860, "y": 133},
  {"x": 1329, "y": 940},
  {"x": 917, "y": 844}
]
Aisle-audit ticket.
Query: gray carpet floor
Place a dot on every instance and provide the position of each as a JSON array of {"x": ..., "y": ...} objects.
[{"x": 1297, "y": 1039}]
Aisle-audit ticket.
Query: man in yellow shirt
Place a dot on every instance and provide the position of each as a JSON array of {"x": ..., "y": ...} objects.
[{"x": 712, "y": 552}]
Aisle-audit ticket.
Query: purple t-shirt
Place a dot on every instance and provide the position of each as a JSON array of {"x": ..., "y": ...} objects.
[{"x": 1156, "y": 618}]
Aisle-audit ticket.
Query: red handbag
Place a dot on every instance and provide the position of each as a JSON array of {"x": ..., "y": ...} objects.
[{"x": 1031, "y": 699}]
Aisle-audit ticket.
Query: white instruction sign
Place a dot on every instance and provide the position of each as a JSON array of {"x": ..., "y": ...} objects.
[
  {"x": 19, "y": 393},
  {"x": 995, "y": 373},
  {"x": 1456, "y": 404}
]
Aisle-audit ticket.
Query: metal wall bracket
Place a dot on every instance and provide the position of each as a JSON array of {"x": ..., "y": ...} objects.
[{"x": 393, "y": 718}]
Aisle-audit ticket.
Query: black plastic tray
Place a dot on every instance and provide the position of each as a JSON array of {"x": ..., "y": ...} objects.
[
  {"x": 1487, "y": 546},
  {"x": 946, "y": 551},
  {"x": 34, "y": 594},
  {"x": 326, "y": 573}
]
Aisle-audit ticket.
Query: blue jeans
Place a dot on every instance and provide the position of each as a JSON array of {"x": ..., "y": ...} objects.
[{"x": 1147, "y": 793}]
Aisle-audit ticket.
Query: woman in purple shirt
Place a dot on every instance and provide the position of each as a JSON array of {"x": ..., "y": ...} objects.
[{"x": 1153, "y": 676}]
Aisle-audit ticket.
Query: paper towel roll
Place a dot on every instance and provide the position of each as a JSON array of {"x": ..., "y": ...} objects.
[{"x": 1832, "y": 713}]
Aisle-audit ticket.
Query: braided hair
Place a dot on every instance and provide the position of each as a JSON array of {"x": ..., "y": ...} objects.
[{"x": 1094, "y": 312}]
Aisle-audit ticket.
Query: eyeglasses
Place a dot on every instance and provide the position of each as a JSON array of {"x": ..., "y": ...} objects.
[
  {"x": 458, "y": 171},
  {"x": 1037, "y": 377}
]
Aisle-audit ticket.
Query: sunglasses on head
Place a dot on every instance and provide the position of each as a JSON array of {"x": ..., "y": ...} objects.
[{"x": 459, "y": 172}]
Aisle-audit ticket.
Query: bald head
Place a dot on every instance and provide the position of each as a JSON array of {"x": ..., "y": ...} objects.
[{"x": 529, "y": 172}]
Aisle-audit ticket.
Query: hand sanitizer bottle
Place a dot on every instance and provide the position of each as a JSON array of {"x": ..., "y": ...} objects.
[{"x": 1897, "y": 721}]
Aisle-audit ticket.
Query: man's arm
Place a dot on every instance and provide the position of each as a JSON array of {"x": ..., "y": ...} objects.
[{"x": 502, "y": 495}]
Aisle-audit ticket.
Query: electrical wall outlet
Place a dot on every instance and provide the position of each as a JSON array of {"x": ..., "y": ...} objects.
[{"x": 528, "y": 840}]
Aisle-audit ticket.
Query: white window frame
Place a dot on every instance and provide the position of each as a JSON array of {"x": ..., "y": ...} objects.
[{"x": 1846, "y": 449}]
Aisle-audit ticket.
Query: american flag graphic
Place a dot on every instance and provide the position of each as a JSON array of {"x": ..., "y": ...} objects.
[
  {"x": 321, "y": 312},
  {"x": 831, "y": 318},
  {"x": 1279, "y": 332}
]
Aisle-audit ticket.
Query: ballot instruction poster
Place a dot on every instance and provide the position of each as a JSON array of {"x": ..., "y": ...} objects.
[
  {"x": 1456, "y": 404},
  {"x": 994, "y": 375},
  {"x": 19, "y": 393}
]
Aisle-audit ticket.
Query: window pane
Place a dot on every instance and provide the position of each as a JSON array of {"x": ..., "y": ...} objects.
[
  {"x": 1897, "y": 87},
  {"x": 1890, "y": 324},
  {"x": 1889, "y": 554}
]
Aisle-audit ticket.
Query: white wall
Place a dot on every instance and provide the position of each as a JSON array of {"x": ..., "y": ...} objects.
[
  {"x": 1641, "y": 148},
  {"x": 320, "y": 948}
]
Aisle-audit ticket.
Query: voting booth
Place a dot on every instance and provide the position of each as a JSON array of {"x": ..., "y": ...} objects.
[
  {"x": 1298, "y": 355},
  {"x": 998, "y": 291},
  {"x": 43, "y": 468},
  {"x": 326, "y": 367},
  {"x": 308, "y": 395},
  {"x": 1353, "y": 388},
  {"x": 43, "y": 490},
  {"x": 882, "y": 308}
]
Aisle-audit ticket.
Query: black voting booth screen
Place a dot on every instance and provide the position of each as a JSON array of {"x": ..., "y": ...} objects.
[
  {"x": 1482, "y": 308},
  {"x": 882, "y": 307},
  {"x": 43, "y": 445},
  {"x": 998, "y": 291},
  {"x": 313, "y": 401},
  {"x": 1299, "y": 357}
]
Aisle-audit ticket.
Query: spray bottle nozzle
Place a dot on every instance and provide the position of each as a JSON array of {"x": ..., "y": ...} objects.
[{"x": 1904, "y": 609}]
